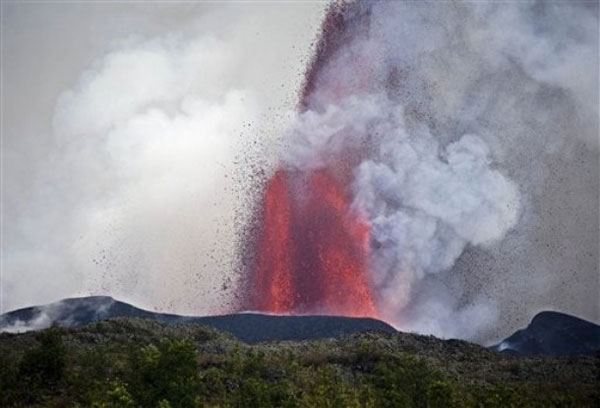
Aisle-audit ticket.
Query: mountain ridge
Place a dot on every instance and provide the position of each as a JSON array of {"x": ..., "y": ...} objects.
[
  {"x": 549, "y": 333},
  {"x": 247, "y": 326},
  {"x": 552, "y": 333}
]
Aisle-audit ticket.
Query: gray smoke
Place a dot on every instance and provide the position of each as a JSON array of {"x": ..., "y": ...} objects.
[{"x": 481, "y": 173}]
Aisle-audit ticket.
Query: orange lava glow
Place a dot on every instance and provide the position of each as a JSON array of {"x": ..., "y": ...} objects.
[{"x": 313, "y": 249}]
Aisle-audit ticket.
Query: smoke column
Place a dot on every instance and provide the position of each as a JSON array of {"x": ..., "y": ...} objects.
[{"x": 444, "y": 125}]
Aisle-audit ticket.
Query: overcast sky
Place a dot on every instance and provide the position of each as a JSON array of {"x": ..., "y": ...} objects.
[{"x": 122, "y": 126}]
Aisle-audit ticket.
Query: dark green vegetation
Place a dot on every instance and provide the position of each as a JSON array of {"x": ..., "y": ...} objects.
[{"x": 141, "y": 363}]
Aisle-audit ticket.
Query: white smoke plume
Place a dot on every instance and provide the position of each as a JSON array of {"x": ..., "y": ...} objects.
[
  {"x": 121, "y": 140},
  {"x": 469, "y": 115}
]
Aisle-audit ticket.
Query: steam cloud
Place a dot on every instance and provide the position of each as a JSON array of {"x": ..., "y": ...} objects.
[
  {"x": 127, "y": 187},
  {"x": 463, "y": 109}
]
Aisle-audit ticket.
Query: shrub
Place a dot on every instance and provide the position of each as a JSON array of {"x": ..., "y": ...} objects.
[
  {"x": 118, "y": 397},
  {"x": 440, "y": 394},
  {"x": 45, "y": 363},
  {"x": 42, "y": 368},
  {"x": 9, "y": 382},
  {"x": 167, "y": 372}
]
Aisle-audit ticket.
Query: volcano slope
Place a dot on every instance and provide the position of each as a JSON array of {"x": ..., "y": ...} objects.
[{"x": 134, "y": 362}]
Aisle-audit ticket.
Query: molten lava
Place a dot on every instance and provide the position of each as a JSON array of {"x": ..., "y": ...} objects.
[
  {"x": 312, "y": 252},
  {"x": 313, "y": 249}
]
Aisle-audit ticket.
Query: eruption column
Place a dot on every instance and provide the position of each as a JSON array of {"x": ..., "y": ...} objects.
[{"x": 313, "y": 249}]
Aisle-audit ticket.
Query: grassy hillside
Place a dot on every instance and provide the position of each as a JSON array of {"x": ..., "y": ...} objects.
[{"x": 129, "y": 362}]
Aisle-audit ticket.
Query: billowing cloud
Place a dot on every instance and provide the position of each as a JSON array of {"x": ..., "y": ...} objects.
[
  {"x": 477, "y": 129},
  {"x": 138, "y": 187}
]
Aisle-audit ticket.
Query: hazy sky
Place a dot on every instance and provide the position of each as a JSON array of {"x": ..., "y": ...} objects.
[{"x": 122, "y": 125}]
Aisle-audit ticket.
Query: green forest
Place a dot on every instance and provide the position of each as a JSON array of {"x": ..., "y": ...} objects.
[{"x": 126, "y": 363}]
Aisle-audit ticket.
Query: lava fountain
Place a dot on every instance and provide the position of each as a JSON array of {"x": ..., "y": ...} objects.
[
  {"x": 313, "y": 248},
  {"x": 312, "y": 251}
]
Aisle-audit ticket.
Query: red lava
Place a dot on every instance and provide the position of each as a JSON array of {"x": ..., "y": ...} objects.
[{"x": 313, "y": 249}]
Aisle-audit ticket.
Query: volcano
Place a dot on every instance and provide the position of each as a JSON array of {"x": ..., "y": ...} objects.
[{"x": 312, "y": 250}]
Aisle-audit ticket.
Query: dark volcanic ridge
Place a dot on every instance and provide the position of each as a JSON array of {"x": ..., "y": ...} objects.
[
  {"x": 248, "y": 327},
  {"x": 554, "y": 334},
  {"x": 548, "y": 334}
]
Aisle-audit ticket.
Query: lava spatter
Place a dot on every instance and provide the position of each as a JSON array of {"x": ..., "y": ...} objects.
[{"x": 313, "y": 249}]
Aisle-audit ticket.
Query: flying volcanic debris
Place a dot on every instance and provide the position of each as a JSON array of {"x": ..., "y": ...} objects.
[{"x": 397, "y": 161}]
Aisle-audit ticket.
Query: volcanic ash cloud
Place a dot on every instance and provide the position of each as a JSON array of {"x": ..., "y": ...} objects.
[
  {"x": 424, "y": 202},
  {"x": 455, "y": 126}
]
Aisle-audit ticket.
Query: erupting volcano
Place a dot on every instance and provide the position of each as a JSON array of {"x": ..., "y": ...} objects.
[{"x": 313, "y": 249}]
